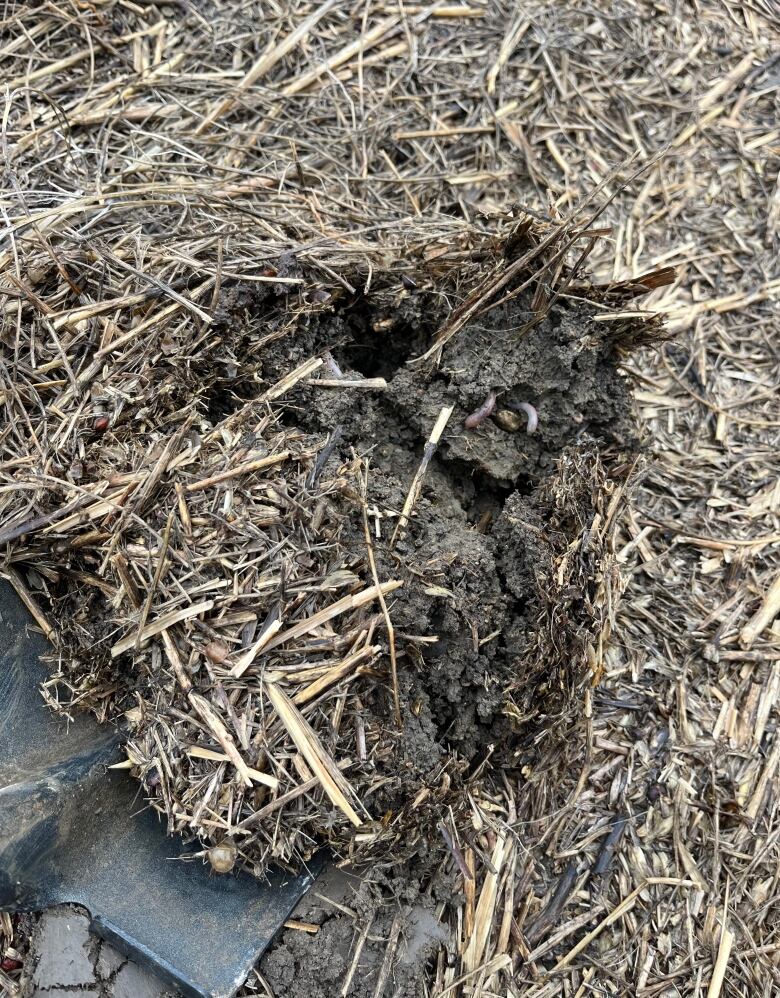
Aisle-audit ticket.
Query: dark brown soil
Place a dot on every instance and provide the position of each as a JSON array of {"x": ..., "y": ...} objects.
[
  {"x": 474, "y": 556},
  {"x": 301, "y": 965},
  {"x": 477, "y": 539}
]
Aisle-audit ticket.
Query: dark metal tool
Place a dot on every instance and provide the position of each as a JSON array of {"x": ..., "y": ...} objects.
[{"x": 73, "y": 831}]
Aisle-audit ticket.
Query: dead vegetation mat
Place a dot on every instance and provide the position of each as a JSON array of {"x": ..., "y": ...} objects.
[
  {"x": 313, "y": 597},
  {"x": 259, "y": 265}
]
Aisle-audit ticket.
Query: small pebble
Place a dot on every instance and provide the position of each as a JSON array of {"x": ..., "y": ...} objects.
[
  {"x": 223, "y": 857},
  {"x": 509, "y": 421}
]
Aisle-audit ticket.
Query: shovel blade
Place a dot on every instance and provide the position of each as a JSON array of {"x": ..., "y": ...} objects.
[{"x": 72, "y": 831}]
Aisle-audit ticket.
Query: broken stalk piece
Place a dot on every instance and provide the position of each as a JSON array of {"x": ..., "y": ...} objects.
[{"x": 414, "y": 489}]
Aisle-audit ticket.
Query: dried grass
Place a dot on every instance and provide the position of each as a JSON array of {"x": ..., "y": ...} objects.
[
  {"x": 194, "y": 564},
  {"x": 155, "y": 157}
]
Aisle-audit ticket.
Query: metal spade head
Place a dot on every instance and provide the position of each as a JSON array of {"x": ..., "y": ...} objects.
[{"x": 72, "y": 831}]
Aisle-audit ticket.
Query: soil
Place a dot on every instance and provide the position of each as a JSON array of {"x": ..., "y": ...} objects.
[
  {"x": 477, "y": 550},
  {"x": 478, "y": 545},
  {"x": 477, "y": 542},
  {"x": 304, "y": 965}
]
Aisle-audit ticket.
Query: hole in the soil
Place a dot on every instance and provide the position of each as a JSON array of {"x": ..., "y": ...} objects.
[
  {"x": 489, "y": 497},
  {"x": 378, "y": 346},
  {"x": 460, "y": 729},
  {"x": 479, "y": 491}
]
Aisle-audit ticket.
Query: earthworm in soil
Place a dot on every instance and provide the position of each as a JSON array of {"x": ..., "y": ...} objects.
[
  {"x": 531, "y": 413},
  {"x": 487, "y": 408}
]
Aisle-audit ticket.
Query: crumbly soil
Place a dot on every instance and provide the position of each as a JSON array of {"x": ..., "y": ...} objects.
[
  {"x": 477, "y": 540},
  {"x": 477, "y": 543},
  {"x": 472, "y": 555},
  {"x": 343, "y": 905}
]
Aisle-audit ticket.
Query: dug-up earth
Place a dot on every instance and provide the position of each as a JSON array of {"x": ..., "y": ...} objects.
[{"x": 644, "y": 843}]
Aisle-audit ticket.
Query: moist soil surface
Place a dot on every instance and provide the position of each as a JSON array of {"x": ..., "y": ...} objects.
[
  {"x": 477, "y": 540},
  {"x": 384, "y": 908},
  {"x": 474, "y": 550}
]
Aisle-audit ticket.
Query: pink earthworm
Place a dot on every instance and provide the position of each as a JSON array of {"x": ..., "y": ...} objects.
[
  {"x": 531, "y": 413},
  {"x": 479, "y": 415}
]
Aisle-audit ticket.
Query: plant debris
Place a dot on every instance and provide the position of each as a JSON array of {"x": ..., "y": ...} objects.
[{"x": 258, "y": 267}]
